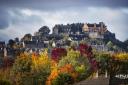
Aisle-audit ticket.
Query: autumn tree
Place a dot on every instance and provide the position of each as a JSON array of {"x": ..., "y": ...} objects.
[
  {"x": 41, "y": 67},
  {"x": 79, "y": 63},
  {"x": 21, "y": 70}
]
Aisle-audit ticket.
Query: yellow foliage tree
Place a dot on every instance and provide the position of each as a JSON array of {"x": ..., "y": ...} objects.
[
  {"x": 41, "y": 66},
  {"x": 121, "y": 56}
]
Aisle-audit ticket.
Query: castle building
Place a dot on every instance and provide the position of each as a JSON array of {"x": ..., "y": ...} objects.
[
  {"x": 95, "y": 30},
  {"x": 79, "y": 31},
  {"x": 75, "y": 32}
]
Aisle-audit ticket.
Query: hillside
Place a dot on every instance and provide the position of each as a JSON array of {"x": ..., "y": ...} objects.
[{"x": 63, "y": 35}]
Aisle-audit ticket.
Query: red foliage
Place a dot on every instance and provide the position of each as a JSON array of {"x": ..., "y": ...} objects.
[
  {"x": 87, "y": 50},
  {"x": 94, "y": 64},
  {"x": 57, "y": 53},
  {"x": 84, "y": 49}
]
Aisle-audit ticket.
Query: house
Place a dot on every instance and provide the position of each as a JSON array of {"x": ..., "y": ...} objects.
[{"x": 33, "y": 44}]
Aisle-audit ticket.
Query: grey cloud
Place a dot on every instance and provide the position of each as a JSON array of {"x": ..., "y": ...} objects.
[
  {"x": 3, "y": 23},
  {"x": 53, "y": 6},
  {"x": 4, "y": 19},
  {"x": 18, "y": 17},
  {"x": 4, "y": 37},
  {"x": 58, "y": 4}
]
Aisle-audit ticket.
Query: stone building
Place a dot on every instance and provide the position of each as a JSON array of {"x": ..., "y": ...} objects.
[
  {"x": 75, "y": 32},
  {"x": 79, "y": 30},
  {"x": 95, "y": 30}
]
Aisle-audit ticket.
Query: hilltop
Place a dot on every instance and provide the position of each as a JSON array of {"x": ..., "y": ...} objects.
[{"x": 94, "y": 34}]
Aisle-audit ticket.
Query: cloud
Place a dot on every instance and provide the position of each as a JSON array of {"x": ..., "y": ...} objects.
[
  {"x": 4, "y": 36},
  {"x": 27, "y": 16},
  {"x": 4, "y": 19},
  {"x": 60, "y": 4},
  {"x": 29, "y": 21}
]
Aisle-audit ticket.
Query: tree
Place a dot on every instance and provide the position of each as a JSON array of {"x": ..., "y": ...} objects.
[
  {"x": 63, "y": 79},
  {"x": 86, "y": 51},
  {"x": 11, "y": 43},
  {"x": 16, "y": 39},
  {"x": 73, "y": 45},
  {"x": 41, "y": 68},
  {"x": 58, "y": 53},
  {"x": 79, "y": 63},
  {"x": 110, "y": 45},
  {"x": 126, "y": 42},
  {"x": 21, "y": 70},
  {"x": 103, "y": 59},
  {"x": 115, "y": 47},
  {"x": 44, "y": 30}
]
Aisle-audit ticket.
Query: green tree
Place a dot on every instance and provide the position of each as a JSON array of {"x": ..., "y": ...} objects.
[
  {"x": 115, "y": 47},
  {"x": 21, "y": 70},
  {"x": 11, "y": 43},
  {"x": 103, "y": 59},
  {"x": 44, "y": 30},
  {"x": 79, "y": 63},
  {"x": 110, "y": 45},
  {"x": 63, "y": 79}
]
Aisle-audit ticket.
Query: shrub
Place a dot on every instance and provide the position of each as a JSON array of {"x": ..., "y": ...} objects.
[
  {"x": 57, "y": 53},
  {"x": 68, "y": 69},
  {"x": 52, "y": 76},
  {"x": 63, "y": 79},
  {"x": 4, "y": 82},
  {"x": 80, "y": 69}
]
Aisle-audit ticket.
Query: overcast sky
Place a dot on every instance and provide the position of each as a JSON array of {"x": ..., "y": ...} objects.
[{"x": 18, "y": 17}]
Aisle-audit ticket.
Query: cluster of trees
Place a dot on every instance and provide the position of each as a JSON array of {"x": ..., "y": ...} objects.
[
  {"x": 75, "y": 27},
  {"x": 63, "y": 66},
  {"x": 68, "y": 67}
]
